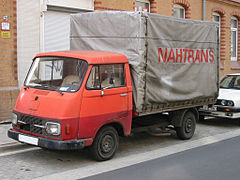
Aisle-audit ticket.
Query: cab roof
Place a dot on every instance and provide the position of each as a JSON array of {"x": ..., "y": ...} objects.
[{"x": 92, "y": 57}]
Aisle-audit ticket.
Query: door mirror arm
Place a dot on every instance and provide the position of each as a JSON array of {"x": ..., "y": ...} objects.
[
  {"x": 102, "y": 89},
  {"x": 102, "y": 92}
]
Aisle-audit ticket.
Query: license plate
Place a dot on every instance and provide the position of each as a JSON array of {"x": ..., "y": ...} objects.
[
  {"x": 213, "y": 108},
  {"x": 28, "y": 140}
]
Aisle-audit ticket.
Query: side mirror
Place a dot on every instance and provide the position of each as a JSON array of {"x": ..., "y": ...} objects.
[{"x": 102, "y": 92}]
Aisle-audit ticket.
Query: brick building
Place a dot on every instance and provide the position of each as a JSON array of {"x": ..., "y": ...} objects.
[
  {"x": 29, "y": 27},
  {"x": 8, "y": 57}
]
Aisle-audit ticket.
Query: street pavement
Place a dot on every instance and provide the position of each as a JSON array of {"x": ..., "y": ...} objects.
[
  {"x": 4, "y": 140},
  {"x": 20, "y": 161},
  {"x": 217, "y": 161}
]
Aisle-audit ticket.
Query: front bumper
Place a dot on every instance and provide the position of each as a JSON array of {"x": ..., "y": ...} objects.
[
  {"x": 220, "y": 114},
  {"x": 46, "y": 143}
]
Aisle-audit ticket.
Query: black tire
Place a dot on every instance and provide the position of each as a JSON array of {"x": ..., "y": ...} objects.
[
  {"x": 105, "y": 144},
  {"x": 187, "y": 129}
]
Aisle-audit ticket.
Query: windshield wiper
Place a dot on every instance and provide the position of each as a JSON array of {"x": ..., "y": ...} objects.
[
  {"x": 40, "y": 86},
  {"x": 57, "y": 90},
  {"x": 53, "y": 88}
]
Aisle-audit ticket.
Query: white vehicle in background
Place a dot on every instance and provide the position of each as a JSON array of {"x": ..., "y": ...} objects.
[{"x": 228, "y": 102}]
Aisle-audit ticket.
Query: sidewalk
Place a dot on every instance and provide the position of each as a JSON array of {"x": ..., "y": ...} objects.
[{"x": 4, "y": 139}]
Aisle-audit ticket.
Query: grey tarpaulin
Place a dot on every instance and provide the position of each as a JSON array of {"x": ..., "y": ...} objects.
[{"x": 174, "y": 62}]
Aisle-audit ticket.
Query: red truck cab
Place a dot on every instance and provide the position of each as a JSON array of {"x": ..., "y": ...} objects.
[{"x": 74, "y": 99}]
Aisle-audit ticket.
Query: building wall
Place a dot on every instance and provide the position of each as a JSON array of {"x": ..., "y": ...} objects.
[
  {"x": 194, "y": 10},
  {"x": 123, "y": 5},
  {"x": 8, "y": 59},
  {"x": 226, "y": 10},
  {"x": 28, "y": 20}
]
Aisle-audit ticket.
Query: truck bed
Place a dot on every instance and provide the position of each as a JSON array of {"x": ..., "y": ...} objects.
[{"x": 174, "y": 62}]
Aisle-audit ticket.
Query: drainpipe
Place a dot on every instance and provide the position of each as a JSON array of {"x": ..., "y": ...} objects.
[{"x": 203, "y": 10}]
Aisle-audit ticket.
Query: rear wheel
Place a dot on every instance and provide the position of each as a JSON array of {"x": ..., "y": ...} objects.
[
  {"x": 105, "y": 144},
  {"x": 188, "y": 126}
]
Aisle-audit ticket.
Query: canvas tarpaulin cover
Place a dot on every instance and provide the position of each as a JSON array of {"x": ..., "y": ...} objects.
[{"x": 174, "y": 62}]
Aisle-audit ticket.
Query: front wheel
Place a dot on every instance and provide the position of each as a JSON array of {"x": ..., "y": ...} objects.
[
  {"x": 188, "y": 126},
  {"x": 105, "y": 144}
]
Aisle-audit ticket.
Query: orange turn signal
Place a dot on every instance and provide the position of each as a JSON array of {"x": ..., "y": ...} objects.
[
  {"x": 227, "y": 109},
  {"x": 67, "y": 129}
]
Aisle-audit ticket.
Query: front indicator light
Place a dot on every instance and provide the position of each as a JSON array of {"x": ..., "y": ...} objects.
[
  {"x": 14, "y": 119},
  {"x": 67, "y": 129},
  {"x": 53, "y": 128}
]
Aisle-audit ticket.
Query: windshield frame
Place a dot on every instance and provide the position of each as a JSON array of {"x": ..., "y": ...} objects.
[{"x": 49, "y": 88}]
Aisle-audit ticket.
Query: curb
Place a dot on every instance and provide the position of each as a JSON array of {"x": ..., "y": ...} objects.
[
  {"x": 4, "y": 139},
  {"x": 9, "y": 145},
  {"x": 8, "y": 121},
  {"x": 5, "y": 122},
  {"x": 14, "y": 148}
]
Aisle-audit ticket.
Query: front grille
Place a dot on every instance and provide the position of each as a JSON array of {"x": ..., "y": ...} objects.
[
  {"x": 218, "y": 102},
  {"x": 32, "y": 124}
]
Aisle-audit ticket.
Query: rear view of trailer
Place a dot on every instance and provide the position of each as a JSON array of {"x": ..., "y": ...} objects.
[{"x": 174, "y": 62}]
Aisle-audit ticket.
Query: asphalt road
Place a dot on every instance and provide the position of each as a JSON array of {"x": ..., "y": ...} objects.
[
  {"x": 21, "y": 161},
  {"x": 218, "y": 161}
]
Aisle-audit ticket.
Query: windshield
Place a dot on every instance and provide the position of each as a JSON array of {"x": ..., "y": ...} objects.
[
  {"x": 56, "y": 73},
  {"x": 230, "y": 82}
]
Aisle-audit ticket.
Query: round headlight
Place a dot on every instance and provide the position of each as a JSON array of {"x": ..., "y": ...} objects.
[
  {"x": 224, "y": 102},
  {"x": 14, "y": 119},
  {"x": 230, "y": 103}
]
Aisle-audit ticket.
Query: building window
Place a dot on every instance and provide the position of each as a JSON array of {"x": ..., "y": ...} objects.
[
  {"x": 142, "y": 5},
  {"x": 234, "y": 38},
  {"x": 217, "y": 18},
  {"x": 178, "y": 11}
]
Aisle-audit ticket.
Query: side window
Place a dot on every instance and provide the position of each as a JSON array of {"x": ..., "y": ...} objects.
[
  {"x": 93, "y": 79},
  {"x": 227, "y": 82},
  {"x": 106, "y": 76},
  {"x": 112, "y": 76},
  {"x": 237, "y": 82}
]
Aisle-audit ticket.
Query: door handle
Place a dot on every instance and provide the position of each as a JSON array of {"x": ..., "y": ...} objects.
[{"x": 125, "y": 94}]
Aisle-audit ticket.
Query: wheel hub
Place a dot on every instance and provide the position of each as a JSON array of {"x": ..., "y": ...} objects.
[
  {"x": 188, "y": 127},
  {"x": 107, "y": 144}
]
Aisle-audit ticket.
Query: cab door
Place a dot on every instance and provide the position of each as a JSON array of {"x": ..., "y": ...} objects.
[{"x": 105, "y": 99}]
